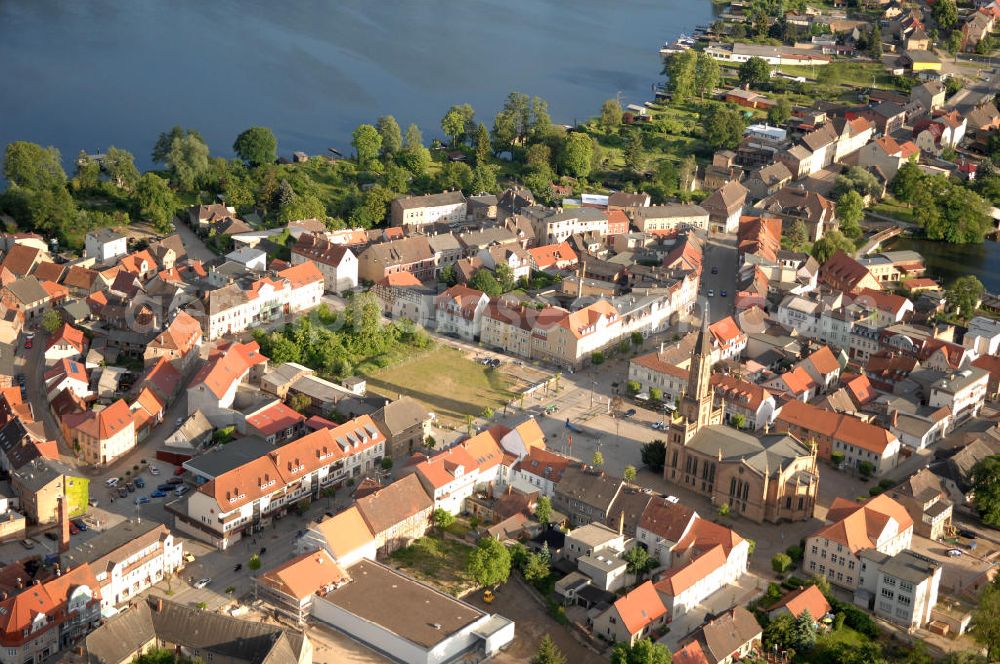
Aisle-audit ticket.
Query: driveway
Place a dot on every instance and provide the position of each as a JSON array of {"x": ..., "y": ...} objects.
[{"x": 196, "y": 249}]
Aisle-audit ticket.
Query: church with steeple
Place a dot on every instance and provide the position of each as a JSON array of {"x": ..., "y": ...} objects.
[{"x": 774, "y": 477}]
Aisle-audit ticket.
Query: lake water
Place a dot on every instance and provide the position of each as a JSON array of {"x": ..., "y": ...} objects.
[
  {"x": 947, "y": 262},
  {"x": 91, "y": 73}
]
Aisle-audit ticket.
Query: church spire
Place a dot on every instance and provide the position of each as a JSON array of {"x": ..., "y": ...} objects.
[{"x": 700, "y": 373}]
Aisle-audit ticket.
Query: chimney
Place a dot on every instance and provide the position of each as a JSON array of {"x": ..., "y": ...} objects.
[
  {"x": 63, "y": 525},
  {"x": 159, "y": 605},
  {"x": 895, "y": 418}
]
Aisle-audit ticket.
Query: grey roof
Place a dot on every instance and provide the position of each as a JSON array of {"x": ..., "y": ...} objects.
[
  {"x": 120, "y": 638},
  {"x": 588, "y": 487},
  {"x": 670, "y": 211},
  {"x": 111, "y": 540},
  {"x": 105, "y": 235},
  {"x": 401, "y": 414},
  {"x": 910, "y": 566},
  {"x": 764, "y": 454},
  {"x": 443, "y": 242},
  {"x": 28, "y": 290},
  {"x": 729, "y": 632},
  {"x": 16, "y": 445},
  {"x": 40, "y": 472},
  {"x": 238, "y": 640},
  {"x": 429, "y": 200},
  {"x": 418, "y": 613},
  {"x": 227, "y": 457}
]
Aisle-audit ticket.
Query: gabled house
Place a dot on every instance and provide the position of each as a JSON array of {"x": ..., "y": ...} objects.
[
  {"x": 943, "y": 130},
  {"x": 844, "y": 273},
  {"x": 336, "y": 262},
  {"x": 67, "y": 343},
  {"x": 459, "y": 310},
  {"x": 103, "y": 435},
  {"x": 104, "y": 245},
  {"x": 633, "y": 616},
  {"x": 213, "y": 388},
  {"x": 725, "y": 205},
  {"x": 67, "y": 375},
  {"x": 179, "y": 341}
]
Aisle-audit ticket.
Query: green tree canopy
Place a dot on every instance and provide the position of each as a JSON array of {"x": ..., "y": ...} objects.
[
  {"x": 543, "y": 509},
  {"x": 706, "y": 74},
  {"x": 963, "y": 296},
  {"x": 31, "y": 166},
  {"x": 654, "y": 455},
  {"x": 643, "y": 652},
  {"x": 780, "y": 112},
  {"x": 548, "y": 652},
  {"x": 577, "y": 154},
  {"x": 120, "y": 166},
  {"x": 724, "y": 127},
  {"x": 850, "y": 212},
  {"x": 831, "y": 243},
  {"x": 611, "y": 115},
  {"x": 187, "y": 160},
  {"x": 484, "y": 281},
  {"x": 458, "y": 122},
  {"x": 489, "y": 562},
  {"x": 945, "y": 12},
  {"x": 367, "y": 143},
  {"x": 682, "y": 69},
  {"x": 392, "y": 137},
  {"x": 154, "y": 200},
  {"x": 755, "y": 71},
  {"x": 256, "y": 146}
]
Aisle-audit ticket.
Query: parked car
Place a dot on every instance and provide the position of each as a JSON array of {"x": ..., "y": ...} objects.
[
  {"x": 79, "y": 523},
  {"x": 73, "y": 530},
  {"x": 955, "y": 553},
  {"x": 140, "y": 483},
  {"x": 715, "y": 270},
  {"x": 28, "y": 343},
  {"x": 28, "y": 543},
  {"x": 182, "y": 489},
  {"x": 122, "y": 492},
  {"x": 174, "y": 481},
  {"x": 111, "y": 483},
  {"x": 93, "y": 502},
  {"x": 153, "y": 470},
  {"x": 188, "y": 557},
  {"x": 723, "y": 293},
  {"x": 158, "y": 494},
  {"x": 630, "y": 412},
  {"x": 179, "y": 470},
  {"x": 130, "y": 486},
  {"x": 201, "y": 583},
  {"x": 165, "y": 487},
  {"x": 141, "y": 500},
  {"x": 711, "y": 292},
  {"x": 966, "y": 533}
]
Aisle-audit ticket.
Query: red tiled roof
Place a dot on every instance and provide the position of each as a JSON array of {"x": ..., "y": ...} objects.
[
  {"x": 277, "y": 417},
  {"x": 859, "y": 526},
  {"x": 640, "y": 607},
  {"x": 838, "y": 426}
]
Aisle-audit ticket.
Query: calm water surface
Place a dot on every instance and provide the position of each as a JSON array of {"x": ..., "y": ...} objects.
[
  {"x": 84, "y": 74},
  {"x": 947, "y": 262}
]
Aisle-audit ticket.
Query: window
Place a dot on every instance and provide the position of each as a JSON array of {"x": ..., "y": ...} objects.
[
  {"x": 812, "y": 564},
  {"x": 888, "y": 594},
  {"x": 822, "y": 569},
  {"x": 850, "y": 564}
]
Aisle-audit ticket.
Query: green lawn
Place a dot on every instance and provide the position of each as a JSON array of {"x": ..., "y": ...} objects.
[
  {"x": 445, "y": 381},
  {"x": 893, "y": 208},
  {"x": 442, "y": 563}
]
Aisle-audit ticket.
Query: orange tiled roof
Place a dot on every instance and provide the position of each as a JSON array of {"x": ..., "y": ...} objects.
[
  {"x": 640, "y": 607},
  {"x": 552, "y": 255},
  {"x": 807, "y": 598},
  {"x": 228, "y": 365},
  {"x": 679, "y": 579},
  {"x": 859, "y": 526},
  {"x": 302, "y": 275},
  {"x": 345, "y": 532},
  {"x": 824, "y": 361},
  {"x": 838, "y": 426},
  {"x": 275, "y": 418},
  {"x": 68, "y": 334},
  {"x": 305, "y": 575}
]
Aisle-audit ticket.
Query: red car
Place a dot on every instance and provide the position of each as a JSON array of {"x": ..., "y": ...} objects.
[
  {"x": 179, "y": 470},
  {"x": 73, "y": 530},
  {"x": 27, "y": 343}
]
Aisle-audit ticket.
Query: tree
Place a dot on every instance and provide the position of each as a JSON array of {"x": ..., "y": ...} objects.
[
  {"x": 738, "y": 420},
  {"x": 644, "y": 651},
  {"x": 597, "y": 459},
  {"x": 860, "y": 180},
  {"x": 543, "y": 510},
  {"x": 367, "y": 143},
  {"x": 374, "y": 207},
  {"x": 682, "y": 68},
  {"x": 986, "y": 486},
  {"x": 632, "y": 152},
  {"x": 611, "y": 115},
  {"x": 548, "y": 653},
  {"x": 780, "y": 112},
  {"x": 724, "y": 127},
  {"x": 187, "y": 160},
  {"x": 505, "y": 277},
  {"x": 254, "y": 563},
  {"x": 797, "y": 234},
  {"x": 120, "y": 166},
  {"x": 804, "y": 633},
  {"x": 831, "y": 243},
  {"x": 457, "y": 122},
  {"x": 706, "y": 74},
  {"x": 541, "y": 121},
  {"x": 781, "y": 562},
  {"x": 414, "y": 137},
  {"x": 256, "y": 146},
  {"x": 945, "y": 13},
  {"x": 456, "y": 175},
  {"x": 779, "y": 632},
  {"x": 442, "y": 519},
  {"x": 157, "y": 656},
  {"x": 51, "y": 321},
  {"x": 629, "y": 474},
  {"x": 31, "y": 166},
  {"x": 577, "y": 154},
  {"x": 489, "y": 562},
  {"x": 484, "y": 281},
  {"x": 654, "y": 455},
  {"x": 987, "y": 620},
  {"x": 154, "y": 200},
  {"x": 866, "y": 468},
  {"x": 963, "y": 296},
  {"x": 537, "y": 566},
  {"x": 392, "y": 137},
  {"x": 875, "y": 43},
  {"x": 755, "y": 71},
  {"x": 484, "y": 178},
  {"x": 850, "y": 211},
  {"x": 638, "y": 561},
  {"x": 907, "y": 182},
  {"x": 161, "y": 149},
  {"x": 299, "y": 402},
  {"x": 483, "y": 146}
]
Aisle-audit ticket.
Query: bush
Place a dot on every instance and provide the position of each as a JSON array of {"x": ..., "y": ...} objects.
[
  {"x": 656, "y": 394},
  {"x": 837, "y": 458},
  {"x": 795, "y": 553},
  {"x": 597, "y": 358},
  {"x": 633, "y": 386},
  {"x": 866, "y": 468},
  {"x": 838, "y": 621},
  {"x": 773, "y": 593},
  {"x": 781, "y": 563}
]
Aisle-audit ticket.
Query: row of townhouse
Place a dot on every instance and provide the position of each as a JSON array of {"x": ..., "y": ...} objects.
[
  {"x": 569, "y": 338},
  {"x": 245, "y": 498},
  {"x": 231, "y": 309}
]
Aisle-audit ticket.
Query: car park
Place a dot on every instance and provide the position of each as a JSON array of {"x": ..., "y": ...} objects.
[
  {"x": 153, "y": 470},
  {"x": 201, "y": 583},
  {"x": 28, "y": 543},
  {"x": 181, "y": 490},
  {"x": 165, "y": 487},
  {"x": 122, "y": 492},
  {"x": 130, "y": 487}
]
